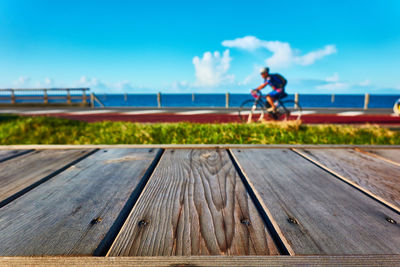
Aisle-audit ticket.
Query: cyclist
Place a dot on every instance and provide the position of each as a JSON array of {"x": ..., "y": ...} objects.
[
  {"x": 277, "y": 82},
  {"x": 396, "y": 107}
]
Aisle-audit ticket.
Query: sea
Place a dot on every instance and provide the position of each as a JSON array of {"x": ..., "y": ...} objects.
[{"x": 235, "y": 100}]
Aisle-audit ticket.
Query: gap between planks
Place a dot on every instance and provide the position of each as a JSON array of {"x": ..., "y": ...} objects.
[
  {"x": 276, "y": 233},
  {"x": 350, "y": 182},
  {"x": 28, "y": 188},
  {"x": 112, "y": 234},
  {"x": 17, "y": 154},
  {"x": 127, "y": 242},
  {"x": 376, "y": 156}
]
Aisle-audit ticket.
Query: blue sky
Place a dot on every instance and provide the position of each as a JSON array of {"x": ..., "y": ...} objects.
[{"x": 200, "y": 46}]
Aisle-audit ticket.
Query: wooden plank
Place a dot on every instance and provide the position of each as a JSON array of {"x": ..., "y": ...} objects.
[
  {"x": 314, "y": 211},
  {"x": 372, "y": 175},
  {"x": 365, "y": 260},
  {"x": 194, "y": 204},
  {"x": 391, "y": 155},
  {"x": 21, "y": 174},
  {"x": 78, "y": 211},
  {"x": 9, "y": 154}
]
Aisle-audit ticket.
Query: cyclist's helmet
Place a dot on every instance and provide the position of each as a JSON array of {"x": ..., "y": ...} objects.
[{"x": 264, "y": 70}]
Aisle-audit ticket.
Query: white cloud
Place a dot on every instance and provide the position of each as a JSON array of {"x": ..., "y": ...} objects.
[
  {"x": 311, "y": 57},
  {"x": 365, "y": 83},
  {"x": 247, "y": 43},
  {"x": 93, "y": 83},
  {"x": 333, "y": 86},
  {"x": 282, "y": 53},
  {"x": 333, "y": 78},
  {"x": 23, "y": 81},
  {"x": 252, "y": 77},
  {"x": 48, "y": 81},
  {"x": 180, "y": 86},
  {"x": 333, "y": 83},
  {"x": 97, "y": 85},
  {"x": 211, "y": 69}
]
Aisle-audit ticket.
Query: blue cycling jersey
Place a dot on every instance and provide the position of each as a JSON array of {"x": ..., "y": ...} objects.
[{"x": 274, "y": 81}]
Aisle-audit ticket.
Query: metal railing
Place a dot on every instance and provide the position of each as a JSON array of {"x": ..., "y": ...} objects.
[{"x": 44, "y": 96}]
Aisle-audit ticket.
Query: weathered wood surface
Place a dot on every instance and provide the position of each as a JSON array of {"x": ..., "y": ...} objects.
[
  {"x": 376, "y": 176},
  {"x": 20, "y": 174},
  {"x": 194, "y": 204},
  {"x": 388, "y": 154},
  {"x": 314, "y": 211},
  {"x": 334, "y": 261},
  {"x": 73, "y": 212},
  {"x": 9, "y": 154}
]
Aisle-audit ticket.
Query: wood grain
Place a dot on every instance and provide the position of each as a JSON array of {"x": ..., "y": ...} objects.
[
  {"x": 316, "y": 212},
  {"x": 9, "y": 154},
  {"x": 334, "y": 261},
  {"x": 194, "y": 204},
  {"x": 372, "y": 174},
  {"x": 392, "y": 155},
  {"x": 74, "y": 212},
  {"x": 24, "y": 171}
]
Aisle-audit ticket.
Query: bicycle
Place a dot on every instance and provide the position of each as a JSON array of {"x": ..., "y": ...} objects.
[
  {"x": 396, "y": 107},
  {"x": 253, "y": 110}
]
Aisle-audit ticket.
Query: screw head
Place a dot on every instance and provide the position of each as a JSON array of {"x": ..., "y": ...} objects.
[
  {"x": 391, "y": 220},
  {"x": 142, "y": 223},
  {"x": 96, "y": 220},
  {"x": 292, "y": 220},
  {"x": 246, "y": 222}
]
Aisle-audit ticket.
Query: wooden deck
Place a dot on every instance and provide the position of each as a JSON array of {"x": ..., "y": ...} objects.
[{"x": 332, "y": 205}]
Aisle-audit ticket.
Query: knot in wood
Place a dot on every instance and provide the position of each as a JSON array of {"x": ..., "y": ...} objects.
[
  {"x": 391, "y": 220},
  {"x": 246, "y": 222},
  {"x": 292, "y": 220},
  {"x": 142, "y": 223},
  {"x": 206, "y": 155},
  {"x": 96, "y": 220}
]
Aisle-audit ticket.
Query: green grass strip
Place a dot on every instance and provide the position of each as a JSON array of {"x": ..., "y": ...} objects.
[{"x": 47, "y": 130}]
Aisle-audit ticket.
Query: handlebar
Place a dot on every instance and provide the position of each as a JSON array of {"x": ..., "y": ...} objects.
[{"x": 256, "y": 93}]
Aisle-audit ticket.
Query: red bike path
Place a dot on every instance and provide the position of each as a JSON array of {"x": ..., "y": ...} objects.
[{"x": 226, "y": 118}]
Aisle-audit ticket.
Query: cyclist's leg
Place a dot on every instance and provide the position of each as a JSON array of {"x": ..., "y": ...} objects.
[{"x": 272, "y": 96}]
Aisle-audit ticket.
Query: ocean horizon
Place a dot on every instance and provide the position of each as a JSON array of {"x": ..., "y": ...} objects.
[{"x": 219, "y": 100}]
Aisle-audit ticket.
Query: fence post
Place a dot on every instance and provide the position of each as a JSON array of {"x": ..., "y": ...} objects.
[
  {"x": 68, "y": 97},
  {"x": 125, "y": 97},
  {"x": 92, "y": 100},
  {"x": 366, "y": 101},
  {"x": 45, "y": 98},
  {"x": 84, "y": 97},
  {"x": 12, "y": 97},
  {"x": 192, "y": 97},
  {"x": 227, "y": 100},
  {"x": 296, "y": 100},
  {"x": 332, "y": 98},
  {"x": 159, "y": 100}
]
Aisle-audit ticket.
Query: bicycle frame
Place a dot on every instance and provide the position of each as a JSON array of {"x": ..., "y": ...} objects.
[
  {"x": 266, "y": 104},
  {"x": 259, "y": 103}
]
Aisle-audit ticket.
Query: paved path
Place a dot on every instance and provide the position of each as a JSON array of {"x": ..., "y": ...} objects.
[{"x": 313, "y": 116}]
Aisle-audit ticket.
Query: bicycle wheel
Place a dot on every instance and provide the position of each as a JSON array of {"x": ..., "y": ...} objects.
[
  {"x": 251, "y": 111},
  {"x": 289, "y": 110}
]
